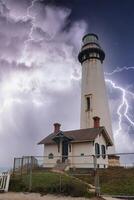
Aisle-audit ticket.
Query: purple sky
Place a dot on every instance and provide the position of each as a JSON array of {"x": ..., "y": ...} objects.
[{"x": 40, "y": 78}]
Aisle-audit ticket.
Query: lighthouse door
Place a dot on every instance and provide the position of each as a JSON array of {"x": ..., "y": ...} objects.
[{"x": 64, "y": 150}]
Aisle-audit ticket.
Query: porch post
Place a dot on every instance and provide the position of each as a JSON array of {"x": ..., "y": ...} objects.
[{"x": 61, "y": 150}]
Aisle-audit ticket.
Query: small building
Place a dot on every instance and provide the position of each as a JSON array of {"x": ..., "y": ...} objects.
[
  {"x": 113, "y": 160},
  {"x": 77, "y": 148}
]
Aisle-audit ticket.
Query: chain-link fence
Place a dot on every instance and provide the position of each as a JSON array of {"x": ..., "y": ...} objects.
[
  {"x": 118, "y": 179},
  {"x": 100, "y": 174}
]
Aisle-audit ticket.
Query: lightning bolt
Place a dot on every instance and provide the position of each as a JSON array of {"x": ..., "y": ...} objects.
[
  {"x": 30, "y": 38},
  {"x": 24, "y": 82},
  {"x": 124, "y": 105},
  {"x": 33, "y": 26},
  {"x": 118, "y": 69}
]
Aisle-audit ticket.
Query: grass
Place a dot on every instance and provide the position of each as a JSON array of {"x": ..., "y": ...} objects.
[
  {"x": 52, "y": 183},
  {"x": 117, "y": 181},
  {"x": 114, "y": 181}
]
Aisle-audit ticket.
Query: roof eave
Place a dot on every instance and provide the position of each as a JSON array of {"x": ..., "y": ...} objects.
[
  {"x": 80, "y": 141},
  {"x": 107, "y": 136}
]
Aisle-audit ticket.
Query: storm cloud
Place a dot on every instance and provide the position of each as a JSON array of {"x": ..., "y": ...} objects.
[{"x": 39, "y": 76}]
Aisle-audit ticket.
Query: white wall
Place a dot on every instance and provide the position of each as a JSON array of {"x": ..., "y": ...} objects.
[
  {"x": 79, "y": 161},
  {"x": 75, "y": 157},
  {"x": 88, "y": 149},
  {"x": 101, "y": 161},
  {"x": 51, "y": 148},
  {"x": 93, "y": 83}
]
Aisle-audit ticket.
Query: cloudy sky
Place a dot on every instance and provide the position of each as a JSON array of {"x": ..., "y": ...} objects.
[{"x": 40, "y": 74}]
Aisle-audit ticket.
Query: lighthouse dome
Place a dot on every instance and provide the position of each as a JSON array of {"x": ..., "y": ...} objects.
[
  {"x": 91, "y": 48},
  {"x": 90, "y": 38}
]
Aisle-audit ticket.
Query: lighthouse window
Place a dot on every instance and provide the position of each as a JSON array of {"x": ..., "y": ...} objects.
[
  {"x": 91, "y": 55},
  {"x": 94, "y": 54},
  {"x": 88, "y": 102},
  {"x": 84, "y": 57}
]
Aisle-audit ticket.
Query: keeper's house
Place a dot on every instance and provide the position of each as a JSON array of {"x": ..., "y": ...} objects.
[{"x": 77, "y": 148}]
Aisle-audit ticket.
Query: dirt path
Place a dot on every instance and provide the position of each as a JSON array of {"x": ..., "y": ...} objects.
[{"x": 35, "y": 196}]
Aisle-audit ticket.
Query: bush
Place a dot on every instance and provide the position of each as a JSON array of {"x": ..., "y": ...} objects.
[{"x": 17, "y": 185}]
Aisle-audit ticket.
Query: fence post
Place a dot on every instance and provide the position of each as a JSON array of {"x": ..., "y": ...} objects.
[
  {"x": 30, "y": 174},
  {"x": 21, "y": 168},
  {"x": 60, "y": 183},
  {"x": 14, "y": 166},
  {"x": 96, "y": 177}
]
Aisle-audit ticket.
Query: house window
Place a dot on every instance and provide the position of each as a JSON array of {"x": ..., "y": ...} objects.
[
  {"x": 88, "y": 102},
  {"x": 69, "y": 147},
  {"x": 103, "y": 151},
  {"x": 50, "y": 156},
  {"x": 97, "y": 150}
]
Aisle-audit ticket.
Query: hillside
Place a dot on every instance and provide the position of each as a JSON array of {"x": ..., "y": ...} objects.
[
  {"x": 50, "y": 183},
  {"x": 114, "y": 181}
]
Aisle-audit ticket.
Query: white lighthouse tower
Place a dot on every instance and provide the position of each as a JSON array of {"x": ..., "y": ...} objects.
[{"x": 94, "y": 101}]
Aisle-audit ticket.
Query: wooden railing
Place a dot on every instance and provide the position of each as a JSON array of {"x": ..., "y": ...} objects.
[{"x": 4, "y": 181}]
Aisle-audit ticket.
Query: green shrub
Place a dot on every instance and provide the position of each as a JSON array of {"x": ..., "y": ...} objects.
[{"x": 17, "y": 185}]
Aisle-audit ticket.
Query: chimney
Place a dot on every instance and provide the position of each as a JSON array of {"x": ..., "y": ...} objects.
[
  {"x": 96, "y": 122},
  {"x": 56, "y": 127}
]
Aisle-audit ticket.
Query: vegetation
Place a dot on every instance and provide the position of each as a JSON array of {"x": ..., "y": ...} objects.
[
  {"x": 117, "y": 181},
  {"x": 48, "y": 182},
  {"x": 114, "y": 181}
]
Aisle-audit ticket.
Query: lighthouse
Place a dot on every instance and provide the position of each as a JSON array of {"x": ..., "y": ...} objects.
[
  {"x": 94, "y": 137},
  {"x": 94, "y": 100}
]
